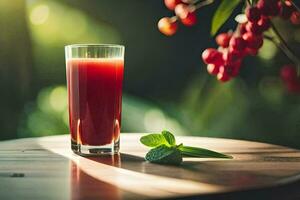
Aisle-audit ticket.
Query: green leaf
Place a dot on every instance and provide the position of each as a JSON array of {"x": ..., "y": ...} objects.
[
  {"x": 164, "y": 155},
  {"x": 169, "y": 137},
  {"x": 166, "y": 151},
  {"x": 222, "y": 14},
  {"x": 153, "y": 140},
  {"x": 200, "y": 152}
]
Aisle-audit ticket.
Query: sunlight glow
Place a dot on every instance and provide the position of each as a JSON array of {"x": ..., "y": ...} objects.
[
  {"x": 124, "y": 179},
  {"x": 39, "y": 14},
  {"x": 72, "y": 32},
  {"x": 58, "y": 99},
  {"x": 154, "y": 120}
]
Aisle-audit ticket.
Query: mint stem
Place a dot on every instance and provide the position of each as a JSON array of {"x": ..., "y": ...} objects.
[{"x": 201, "y": 152}]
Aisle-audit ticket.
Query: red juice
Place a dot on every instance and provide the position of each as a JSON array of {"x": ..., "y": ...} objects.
[{"x": 95, "y": 100}]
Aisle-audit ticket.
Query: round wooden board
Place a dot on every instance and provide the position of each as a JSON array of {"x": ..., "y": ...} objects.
[{"x": 45, "y": 168}]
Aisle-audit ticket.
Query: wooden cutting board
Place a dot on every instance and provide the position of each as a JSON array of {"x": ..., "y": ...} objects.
[{"x": 46, "y": 168}]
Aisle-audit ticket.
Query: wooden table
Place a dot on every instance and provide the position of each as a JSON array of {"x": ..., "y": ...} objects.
[{"x": 45, "y": 168}]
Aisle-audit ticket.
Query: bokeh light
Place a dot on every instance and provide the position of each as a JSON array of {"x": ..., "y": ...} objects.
[
  {"x": 58, "y": 99},
  {"x": 154, "y": 120},
  {"x": 39, "y": 14},
  {"x": 268, "y": 50},
  {"x": 59, "y": 23}
]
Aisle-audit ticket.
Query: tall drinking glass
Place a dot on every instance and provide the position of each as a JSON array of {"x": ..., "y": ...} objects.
[{"x": 94, "y": 79}]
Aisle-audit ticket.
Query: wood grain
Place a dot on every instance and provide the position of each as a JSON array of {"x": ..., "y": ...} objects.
[{"x": 45, "y": 168}]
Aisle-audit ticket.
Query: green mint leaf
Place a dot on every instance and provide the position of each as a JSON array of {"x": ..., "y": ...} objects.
[
  {"x": 222, "y": 14},
  {"x": 165, "y": 150},
  {"x": 200, "y": 152},
  {"x": 169, "y": 137},
  {"x": 153, "y": 140},
  {"x": 164, "y": 155}
]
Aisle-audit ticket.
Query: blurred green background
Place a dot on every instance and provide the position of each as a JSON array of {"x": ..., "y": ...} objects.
[{"x": 165, "y": 85}]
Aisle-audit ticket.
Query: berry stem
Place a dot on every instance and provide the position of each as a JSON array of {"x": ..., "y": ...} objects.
[
  {"x": 174, "y": 18},
  {"x": 285, "y": 48},
  {"x": 272, "y": 39},
  {"x": 191, "y": 1},
  {"x": 297, "y": 8},
  {"x": 203, "y": 3}
]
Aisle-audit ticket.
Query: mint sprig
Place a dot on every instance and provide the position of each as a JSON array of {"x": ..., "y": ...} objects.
[{"x": 165, "y": 150}]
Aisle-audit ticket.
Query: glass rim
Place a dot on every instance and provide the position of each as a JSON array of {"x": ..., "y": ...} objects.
[{"x": 95, "y": 45}]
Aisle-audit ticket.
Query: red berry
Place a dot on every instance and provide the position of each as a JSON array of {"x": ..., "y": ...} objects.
[
  {"x": 288, "y": 73},
  {"x": 275, "y": 8},
  {"x": 167, "y": 26},
  {"x": 171, "y": 4},
  {"x": 295, "y": 18},
  {"x": 181, "y": 10},
  {"x": 234, "y": 69},
  {"x": 237, "y": 43},
  {"x": 286, "y": 9},
  {"x": 212, "y": 56},
  {"x": 251, "y": 52},
  {"x": 253, "y": 41},
  {"x": 212, "y": 69},
  {"x": 268, "y": 7},
  {"x": 186, "y": 14},
  {"x": 190, "y": 20},
  {"x": 231, "y": 70},
  {"x": 222, "y": 75},
  {"x": 253, "y": 14},
  {"x": 264, "y": 23},
  {"x": 232, "y": 56},
  {"x": 254, "y": 28},
  {"x": 223, "y": 39}
]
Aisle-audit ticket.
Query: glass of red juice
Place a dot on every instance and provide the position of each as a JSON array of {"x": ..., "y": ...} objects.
[{"x": 94, "y": 79}]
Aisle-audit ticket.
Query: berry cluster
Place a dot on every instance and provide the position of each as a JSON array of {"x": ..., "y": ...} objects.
[
  {"x": 225, "y": 62},
  {"x": 184, "y": 11},
  {"x": 289, "y": 76}
]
